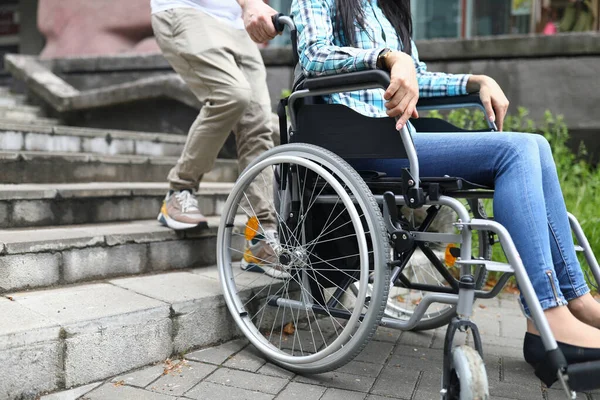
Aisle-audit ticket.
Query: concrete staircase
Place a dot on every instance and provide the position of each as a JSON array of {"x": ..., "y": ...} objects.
[
  {"x": 39, "y": 153},
  {"x": 13, "y": 107},
  {"x": 90, "y": 284},
  {"x": 29, "y": 205}
]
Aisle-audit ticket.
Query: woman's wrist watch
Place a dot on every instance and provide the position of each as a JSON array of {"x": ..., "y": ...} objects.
[{"x": 382, "y": 59}]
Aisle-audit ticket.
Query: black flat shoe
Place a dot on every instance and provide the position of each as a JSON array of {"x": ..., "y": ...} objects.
[{"x": 535, "y": 355}]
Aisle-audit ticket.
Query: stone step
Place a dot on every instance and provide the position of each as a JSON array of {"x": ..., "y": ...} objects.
[
  {"x": 24, "y": 112},
  {"x": 52, "y": 138},
  {"x": 44, "y": 167},
  {"x": 54, "y": 256},
  {"x": 11, "y": 99},
  {"x": 6, "y": 91},
  {"x": 30, "y": 205},
  {"x": 62, "y": 337},
  {"x": 28, "y": 120}
]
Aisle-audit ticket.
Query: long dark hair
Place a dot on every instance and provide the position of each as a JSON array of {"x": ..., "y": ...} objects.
[{"x": 397, "y": 12}]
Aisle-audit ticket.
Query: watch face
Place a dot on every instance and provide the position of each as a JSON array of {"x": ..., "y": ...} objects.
[{"x": 381, "y": 59}]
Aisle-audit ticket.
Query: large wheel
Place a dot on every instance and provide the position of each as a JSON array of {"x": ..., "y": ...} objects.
[
  {"x": 469, "y": 379},
  {"x": 331, "y": 235}
]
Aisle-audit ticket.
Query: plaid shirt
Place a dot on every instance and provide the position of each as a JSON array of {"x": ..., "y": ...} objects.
[{"x": 325, "y": 52}]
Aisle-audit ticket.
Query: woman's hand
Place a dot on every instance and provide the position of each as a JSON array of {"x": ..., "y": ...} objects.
[
  {"x": 492, "y": 97},
  {"x": 403, "y": 93}
]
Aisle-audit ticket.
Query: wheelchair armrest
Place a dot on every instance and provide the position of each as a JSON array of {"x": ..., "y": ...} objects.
[
  {"x": 453, "y": 102},
  {"x": 436, "y": 103},
  {"x": 381, "y": 79},
  {"x": 373, "y": 78}
]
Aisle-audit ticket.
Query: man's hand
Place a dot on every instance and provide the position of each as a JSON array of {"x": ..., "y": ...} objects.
[
  {"x": 493, "y": 98},
  {"x": 257, "y": 20},
  {"x": 403, "y": 93}
]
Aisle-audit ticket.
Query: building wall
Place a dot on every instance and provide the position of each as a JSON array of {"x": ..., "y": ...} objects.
[
  {"x": 9, "y": 28},
  {"x": 31, "y": 40},
  {"x": 98, "y": 27}
]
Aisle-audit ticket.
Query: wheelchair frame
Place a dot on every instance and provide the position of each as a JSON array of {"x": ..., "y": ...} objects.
[{"x": 464, "y": 292}]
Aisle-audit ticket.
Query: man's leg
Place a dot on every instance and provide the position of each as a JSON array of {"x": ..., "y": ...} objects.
[
  {"x": 254, "y": 131},
  {"x": 254, "y": 135},
  {"x": 198, "y": 48}
]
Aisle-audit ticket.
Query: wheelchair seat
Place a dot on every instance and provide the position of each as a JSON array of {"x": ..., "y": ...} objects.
[{"x": 432, "y": 186}]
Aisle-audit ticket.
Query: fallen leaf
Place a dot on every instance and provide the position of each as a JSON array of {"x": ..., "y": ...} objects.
[
  {"x": 289, "y": 329},
  {"x": 482, "y": 306},
  {"x": 119, "y": 383},
  {"x": 173, "y": 367}
]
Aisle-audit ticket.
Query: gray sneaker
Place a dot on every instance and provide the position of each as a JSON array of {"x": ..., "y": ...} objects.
[
  {"x": 260, "y": 254},
  {"x": 180, "y": 211}
]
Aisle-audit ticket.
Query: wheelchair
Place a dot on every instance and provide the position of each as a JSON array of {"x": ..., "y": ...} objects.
[{"x": 347, "y": 240}]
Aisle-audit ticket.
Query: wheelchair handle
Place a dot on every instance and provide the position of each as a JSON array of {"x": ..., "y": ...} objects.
[{"x": 280, "y": 21}]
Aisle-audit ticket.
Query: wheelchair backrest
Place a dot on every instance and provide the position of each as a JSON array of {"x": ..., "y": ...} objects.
[
  {"x": 345, "y": 132},
  {"x": 342, "y": 130}
]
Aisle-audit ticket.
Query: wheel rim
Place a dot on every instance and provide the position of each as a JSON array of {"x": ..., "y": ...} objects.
[{"x": 239, "y": 307}]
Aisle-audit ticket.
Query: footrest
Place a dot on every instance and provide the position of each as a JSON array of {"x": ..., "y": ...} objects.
[
  {"x": 492, "y": 266},
  {"x": 584, "y": 376}
]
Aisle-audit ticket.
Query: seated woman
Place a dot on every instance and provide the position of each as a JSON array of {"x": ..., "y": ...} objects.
[{"x": 337, "y": 36}]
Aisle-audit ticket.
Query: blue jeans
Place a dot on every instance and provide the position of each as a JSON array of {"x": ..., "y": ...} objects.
[{"x": 528, "y": 200}]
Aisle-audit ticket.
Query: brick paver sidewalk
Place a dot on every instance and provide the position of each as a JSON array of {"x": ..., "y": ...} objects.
[{"x": 395, "y": 365}]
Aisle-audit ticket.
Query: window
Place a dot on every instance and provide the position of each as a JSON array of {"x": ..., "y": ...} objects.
[
  {"x": 569, "y": 16},
  {"x": 436, "y": 18},
  {"x": 467, "y": 18},
  {"x": 501, "y": 17}
]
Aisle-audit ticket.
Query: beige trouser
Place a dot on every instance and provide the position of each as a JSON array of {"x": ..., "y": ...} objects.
[{"x": 223, "y": 67}]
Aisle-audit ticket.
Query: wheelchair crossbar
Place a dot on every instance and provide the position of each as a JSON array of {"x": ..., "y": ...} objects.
[
  {"x": 418, "y": 313},
  {"x": 437, "y": 237}
]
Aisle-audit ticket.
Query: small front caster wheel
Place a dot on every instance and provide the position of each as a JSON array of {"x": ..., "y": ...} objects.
[{"x": 469, "y": 379}]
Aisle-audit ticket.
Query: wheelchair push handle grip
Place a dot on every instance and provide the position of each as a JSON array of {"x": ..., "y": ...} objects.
[{"x": 280, "y": 21}]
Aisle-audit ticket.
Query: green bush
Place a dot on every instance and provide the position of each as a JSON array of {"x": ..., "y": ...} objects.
[{"x": 579, "y": 179}]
